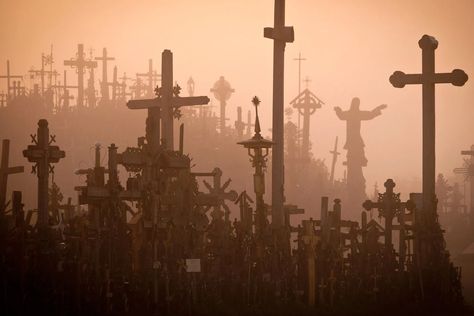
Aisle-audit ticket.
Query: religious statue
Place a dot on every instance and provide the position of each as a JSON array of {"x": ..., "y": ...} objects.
[{"x": 355, "y": 149}]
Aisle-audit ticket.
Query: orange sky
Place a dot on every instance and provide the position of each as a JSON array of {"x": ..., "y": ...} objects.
[{"x": 351, "y": 47}]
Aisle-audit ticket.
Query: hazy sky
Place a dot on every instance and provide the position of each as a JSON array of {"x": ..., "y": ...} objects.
[{"x": 351, "y": 47}]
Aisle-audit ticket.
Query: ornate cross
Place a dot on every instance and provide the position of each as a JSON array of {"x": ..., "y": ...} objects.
[{"x": 42, "y": 154}]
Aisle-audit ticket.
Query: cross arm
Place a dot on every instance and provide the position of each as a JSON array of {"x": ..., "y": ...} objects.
[
  {"x": 143, "y": 104},
  {"x": 368, "y": 205},
  {"x": 457, "y": 77},
  {"x": 180, "y": 101},
  {"x": 286, "y": 34}
]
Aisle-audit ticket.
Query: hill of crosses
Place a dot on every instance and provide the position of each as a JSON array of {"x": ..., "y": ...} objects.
[{"x": 215, "y": 178}]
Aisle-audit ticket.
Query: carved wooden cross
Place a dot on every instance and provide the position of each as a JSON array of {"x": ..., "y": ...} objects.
[
  {"x": 219, "y": 191},
  {"x": 5, "y": 171},
  {"x": 428, "y": 79},
  {"x": 168, "y": 100},
  {"x": 389, "y": 206},
  {"x": 81, "y": 64},
  {"x": 104, "y": 85},
  {"x": 42, "y": 153},
  {"x": 9, "y": 76}
]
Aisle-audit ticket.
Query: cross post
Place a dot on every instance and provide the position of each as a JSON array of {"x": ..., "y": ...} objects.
[{"x": 334, "y": 153}]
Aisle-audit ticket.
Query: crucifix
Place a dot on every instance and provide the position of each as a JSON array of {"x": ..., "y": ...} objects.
[
  {"x": 428, "y": 79},
  {"x": 222, "y": 92},
  {"x": 81, "y": 64},
  {"x": 8, "y": 76},
  {"x": 468, "y": 172},
  {"x": 334, "y": 153},
  {"x": 104, "y": 85},
  {"x": 167, "y": 101},
  {"x": 306, "y": 103},
  {"x": 5, "y": 171},
  {"x": 280, "y": 34},
  {"x": 43, "y": 154},
  {"x": 152, "y": 76}
]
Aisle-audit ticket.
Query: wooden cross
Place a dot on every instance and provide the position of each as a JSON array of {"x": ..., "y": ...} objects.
[
  {"x": 307, "y": 81},
  {"x": 81, "y": 64},
  {"x": 219, "y": 191},
  {"x": 45, "y": 60},
  {"x": 428, "y": 79},
  {"x": 167, "y": 100},
  {"x": 334, "y": 153},
  {"x": 306, "y": 103},
  {"x": 389, "y": 206},
  {"x": 104, "y": 85},
  {"x": 65, "y": 97},
  {"x": 249, "y": 124},
  {"x": 299, "y": 59},
  {"x": 5, "y": 171},
  {"x": 42, "y": 153},
  {"x": 153, "y": 78},
  {"x": 8, "y": 76},
  {"x": 222, "y": 92},
  {"x": 115, "y": 85},
  {"x": 239, "y": 124},
  {"x": 468, "y": 171},
  {"x": 123, "y": 87}
]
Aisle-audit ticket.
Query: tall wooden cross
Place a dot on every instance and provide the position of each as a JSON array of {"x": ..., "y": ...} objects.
[
  {"x": 334, "y": 153},
  {"x": 42, "y": 153},
  {"x": 81, "y": 64},
  {"x": 280, "y": 34},
  {"x": 428, "y": 79},
  {"x": 5, "y": 171},
  {"x": 9, "y": 76},
  {"x": 45, "y": 60},
  {"x": 167, "y": 101},
  {"x": 299, "y": 59},
  {"x": 306, "y": 103},
  {"x": 104, "y": 85}
]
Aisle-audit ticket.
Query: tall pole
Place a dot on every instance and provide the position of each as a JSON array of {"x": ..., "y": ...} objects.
[{"x": 280, "y": 35}]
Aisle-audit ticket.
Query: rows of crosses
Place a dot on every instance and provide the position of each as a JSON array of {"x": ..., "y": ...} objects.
[{"x": 468, "y": 171}]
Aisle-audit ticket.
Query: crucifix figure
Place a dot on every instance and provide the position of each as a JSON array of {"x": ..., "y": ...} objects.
[
  {"x": 43, "y": 154},
  {"x": 222, "y": 92},
  {"x": 428, "y": 79},
  {"x": 280, "y": 34},
  {"x": 166, "y": 102},
  {"x": 8, "y": 76},
  {"x": 104, "y": 85},
  {"x": 81, "y": 64},
  {"x": 5, "y": 171},
  {"x": 306, "y": 103},
  {"x": 355, "y": 149}
]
